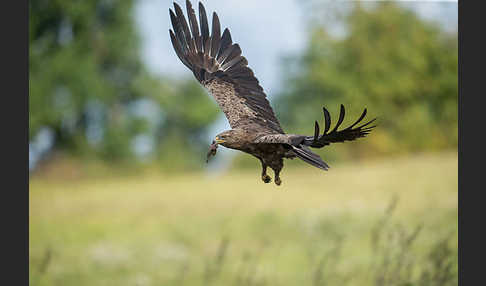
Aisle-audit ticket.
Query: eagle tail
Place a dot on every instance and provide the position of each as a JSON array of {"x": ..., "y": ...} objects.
[
  {"x": 348, "y": 134},
  {"x": 306, "y": 155}
]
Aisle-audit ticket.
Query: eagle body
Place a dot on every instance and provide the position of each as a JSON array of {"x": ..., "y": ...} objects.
[
  {"x": 245, "y": 139},
  {"x": 217, "y": 63}
]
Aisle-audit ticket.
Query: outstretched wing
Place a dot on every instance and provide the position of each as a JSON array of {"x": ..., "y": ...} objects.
[
  {"x": 318, "y": 141},
  {"x": 218, "y": 65},
  {"x": 348, "y": 134}
]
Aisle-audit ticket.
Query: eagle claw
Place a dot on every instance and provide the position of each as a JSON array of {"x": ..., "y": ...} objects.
[{"x": 266, "y": 179}]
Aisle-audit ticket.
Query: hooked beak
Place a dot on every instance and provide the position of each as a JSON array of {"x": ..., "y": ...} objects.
[{"x": 218, "y": 140}]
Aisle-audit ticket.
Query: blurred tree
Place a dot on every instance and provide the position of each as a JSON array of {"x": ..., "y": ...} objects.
[
  {"x": 88, "y": 85},
  {"x": 402, "y": 68}
]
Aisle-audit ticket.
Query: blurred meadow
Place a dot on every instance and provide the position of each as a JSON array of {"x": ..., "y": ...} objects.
[{"x": 119, "y": 190}]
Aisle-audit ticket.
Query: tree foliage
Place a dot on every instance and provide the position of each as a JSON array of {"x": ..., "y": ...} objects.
[
  {"x": 89, "y": 86},
  {"x": 402, "y": 68}
]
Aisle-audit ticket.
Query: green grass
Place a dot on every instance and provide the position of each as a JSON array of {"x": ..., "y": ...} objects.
[{"x": 382, "y": 222}]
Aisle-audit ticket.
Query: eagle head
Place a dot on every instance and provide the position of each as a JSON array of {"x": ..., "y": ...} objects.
[{"x": 229, "y": 138}]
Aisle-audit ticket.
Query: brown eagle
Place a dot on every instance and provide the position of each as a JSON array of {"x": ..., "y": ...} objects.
[{"x": 218, "y": 65}]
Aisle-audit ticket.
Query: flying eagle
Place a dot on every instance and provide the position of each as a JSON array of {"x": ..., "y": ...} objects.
[{"x": 218, "y": 65}]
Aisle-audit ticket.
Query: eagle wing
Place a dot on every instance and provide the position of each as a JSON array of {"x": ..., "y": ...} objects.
[
  {"x": 318, "y": 141},
  {"x": 218, "y": 65}
]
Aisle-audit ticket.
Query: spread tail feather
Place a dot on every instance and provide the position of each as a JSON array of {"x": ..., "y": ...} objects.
[{"x": 306, "y": 155}]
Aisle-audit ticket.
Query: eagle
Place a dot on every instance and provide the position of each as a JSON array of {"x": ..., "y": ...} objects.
[{"x": 217, "y": 63}]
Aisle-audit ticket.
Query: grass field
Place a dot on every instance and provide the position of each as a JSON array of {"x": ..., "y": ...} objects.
[{"x": 382, "y": 222}]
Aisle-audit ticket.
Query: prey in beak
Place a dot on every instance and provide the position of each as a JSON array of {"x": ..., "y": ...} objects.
[{"x": 212, "y": 150}]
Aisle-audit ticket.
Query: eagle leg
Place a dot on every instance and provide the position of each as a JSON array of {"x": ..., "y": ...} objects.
[
  {"x": 276, "y": 169},
  {"x": 265, "y": 178},
  {"x": 278, "y": 181}
]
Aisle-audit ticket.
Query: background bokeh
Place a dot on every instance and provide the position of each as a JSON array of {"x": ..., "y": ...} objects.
[{"x": 120, "y": 193}]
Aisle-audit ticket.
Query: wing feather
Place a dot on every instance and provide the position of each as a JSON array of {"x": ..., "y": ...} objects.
[
  {"x": 215, "y": 36},
  {"x": 235, "y": 52},
  {"x": 184, "y": 28},
  {"x": 235, "y": 63},
  {"x": 177, "y": 46},
  {"x": 225, "y": 43},
  {"x": 194, "y": 26},
  {"x": 226, "y": 53},
  {"x": 178, "y": 31},
  {"x": 203, "y": 20},
  {"x": 218, "y": 64}
]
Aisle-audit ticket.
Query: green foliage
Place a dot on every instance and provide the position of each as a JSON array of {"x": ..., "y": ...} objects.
[
  {"x": 403, "y": 69},
  {"x": 79, "y": 51},
  {"x": 85, "y": 73}
]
